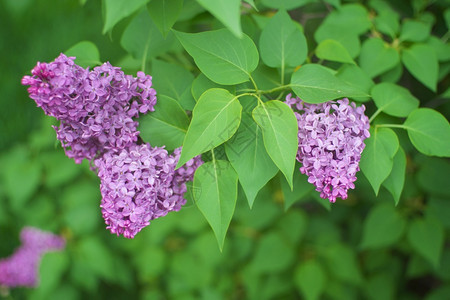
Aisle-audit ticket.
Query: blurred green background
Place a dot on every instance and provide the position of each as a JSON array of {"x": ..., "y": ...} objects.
[{"x": 311, "y": 251}]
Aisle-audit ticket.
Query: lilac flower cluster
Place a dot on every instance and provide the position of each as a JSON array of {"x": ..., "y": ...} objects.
[
  {"x": 139, "y": 184},
  {"x": 96, "y": 108},
  {"x": 331, "y": 139},
  {"x": 21, "y": 268}
]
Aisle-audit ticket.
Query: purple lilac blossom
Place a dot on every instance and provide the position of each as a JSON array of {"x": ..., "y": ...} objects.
[
  {"x": 21, "y": 268},
  {"x": 331, "y": 139},
  {"x": 139, "y": 184},
  {"x": 95, "y": 108}
]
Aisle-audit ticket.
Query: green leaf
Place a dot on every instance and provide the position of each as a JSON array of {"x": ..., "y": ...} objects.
[
  {"x": 395, "y": 181},
  {"x": 252, "y": 3},
  {"x": 393, "y": 75},
  {"x": 226, "y": 11},
  {"x": 150, "y": 262},
  {"x": 117, "y": 10},
  {"x": 446, "y": 94},
  {"x": 342, "y": 263},
  {"x": 388, "y": 23},
  {"x": 95, "y": 254},
  {"x": 439, "y": 207},
  {"x": 142, "y": 38},
  {"x": 282, "y": 43},
  {"x": 173, "y": 81},
  {"x": 59, "y": 169},
  {"x": 315, "y": 84},
  {"x": 220, "y": 55},
  {"x": 442, "y": 292},
  {"x": 279, "y": 129},
  {"x": 349, "y": 18},
  {"x": 21, "y": 177},
  {"x": 249, "y": 158},
  {"x": 382, "y": 284},
  {"x": 310, "y": 279},
  {"x": 202, "y": 83},
  {"x": 442, "y": 49},
  {"x": 165, "y": 13},
  {"x": 447, "y": 17},
  {"x": 51, "y": 271},
  {"x": 273, "y": 254},
  {"x": 381, "y": 6},
  {"x": 394, "y": 100},
  {"x": 383, "y": 227},
  {"x": 293, "y": 226},
  {"x": 350, "y": 41},
  {"x": 301, "y": 188},
  {"x": 335, "y": 3},
  {"x": 427, "y": 238},
  {"x": 217, "y": 182},
  {"x": 432, "y": 176},
  {"x": 377, "y": 158},
  {"x": 285, "y": 4},
  {"x": 334, "y": 51},
  {"x": 266, "y": 78},
  {"x": 429, "y": 132},
  {"x": 421, "y": 61},
  {"x": 377, "y": 57},
  {"x": 215, "y": 119},
  {"x": 191, "y": 8},
  {"x": 414, "y": 31},
  {"x": 260, "y": 20},
  {"x": 166, "y": 126},
  {"x": 86, "y": 54},
  {"x": 345, "y": 25},
  {"x": 357, "y": 78}
]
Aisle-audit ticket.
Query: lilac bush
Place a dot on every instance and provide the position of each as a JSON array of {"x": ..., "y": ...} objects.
[
  {"x": 219, "y": 80},
  {"x": 21, "y": 268},
  {"x": 331, "y": 139}
]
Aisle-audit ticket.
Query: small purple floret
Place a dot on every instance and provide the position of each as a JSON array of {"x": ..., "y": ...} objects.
[{"x": 331, "y": 139}]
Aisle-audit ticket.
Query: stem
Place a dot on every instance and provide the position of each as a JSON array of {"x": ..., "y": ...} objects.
[
  {"x": 184, "y": 60},
  {"x": 391, "y": 125},
  {"x": 374, "y": 115},
  {"x": 250, "y": 94},
  {"x": 253, "y": 82},
  {"x": 260, "y": 102},
  {"x": 245, "y": 94},
  {"x": 248, "y": 91},
  {"x": 280, "y": 88},
  {"x": 144, "y": 57},
  {"x": 279, "y": 96},
  {"x": 213, "y": 156}
]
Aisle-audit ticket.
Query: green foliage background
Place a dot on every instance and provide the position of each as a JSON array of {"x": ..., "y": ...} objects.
[{"x": 361, "y": 248}]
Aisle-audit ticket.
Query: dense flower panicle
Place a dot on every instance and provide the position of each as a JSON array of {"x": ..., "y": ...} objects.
[
  {"x": 21, "y": 268},
  {"x": 139, "y": 184},
  {"x": 96, "y": 108},
  {"x": 331, "y": 139},
  {"x": 40, "y": 240},
  {"x": 184, "y": 173}
]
